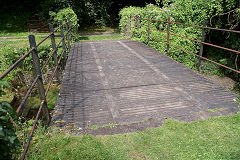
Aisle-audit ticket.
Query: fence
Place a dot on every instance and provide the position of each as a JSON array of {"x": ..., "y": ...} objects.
[
  {"x": 38, "y": 25},
  {"x": 38, "y": 71},
  {"x": 168, "y": 33}
]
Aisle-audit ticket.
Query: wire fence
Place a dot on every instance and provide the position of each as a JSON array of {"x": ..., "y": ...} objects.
[{"x": 37, "y": 79}]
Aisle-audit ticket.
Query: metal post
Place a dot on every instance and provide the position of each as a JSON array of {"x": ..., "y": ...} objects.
[
  {"x": 136, "y": 20},
  {"x": 55, "y": 52},
  {"x": 148, "y": 29},
  {"x": 63, "y": 41},
  {"x": 168, "y": 33},
  {"x": 201, "y": 46},
  {"x": 69, "y": 24},
  {"x": 37, "y": 71},
  {"x": 131, "y": 25},
  {"x": 66, "y": 22}
]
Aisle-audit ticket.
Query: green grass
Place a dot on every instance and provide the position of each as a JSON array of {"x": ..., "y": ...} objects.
[
  {"x": 215, "y": 138},
  {"x": 99, "y": 29},
  {"x": 217, "y": 109},
  {"x": 25, "y": 43},
  {"x": 96, "y": 38},
  {"x": 110, "y": 125},
  {"x": 34, "y": 102},
  {"x": 10, "y": 34}
]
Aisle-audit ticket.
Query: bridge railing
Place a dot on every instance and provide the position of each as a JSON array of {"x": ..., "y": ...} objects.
[
  {"x": 38, "y": 71},
  {"x": 203, "y": 27}
]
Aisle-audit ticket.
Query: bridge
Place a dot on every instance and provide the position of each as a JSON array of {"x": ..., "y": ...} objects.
[
  {"x": 122, "y": 84},
  {"x": 130, "y": 85}
]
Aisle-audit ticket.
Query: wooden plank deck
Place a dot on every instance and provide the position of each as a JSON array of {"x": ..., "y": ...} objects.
[{"x": 126, "y": 83}]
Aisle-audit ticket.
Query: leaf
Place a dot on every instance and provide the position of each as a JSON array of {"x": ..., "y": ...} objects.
[
  {"x": 11, "y": 139},
  {"x": 2, "y": 134},
  {"x": 3, "y": 84}
]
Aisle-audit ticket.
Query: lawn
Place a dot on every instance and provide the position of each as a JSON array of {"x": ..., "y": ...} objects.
[{"x": 214, "y": 138}]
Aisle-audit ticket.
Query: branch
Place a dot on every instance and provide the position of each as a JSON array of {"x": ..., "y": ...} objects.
[{"x": 221, "y": 15}]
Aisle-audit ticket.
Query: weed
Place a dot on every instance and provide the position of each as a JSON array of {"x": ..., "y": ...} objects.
[{"x": 217, "y": 109}]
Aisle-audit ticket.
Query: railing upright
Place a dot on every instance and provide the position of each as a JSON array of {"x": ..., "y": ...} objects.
[
  {"x": 168, "y": 35},
  {"x": 63, "y": 41},
  {"x": 55, "y": 51},
  {"x": 69, "y": 24},
  {"x": 148, "y": 30},
  {"x": 201, "y": 45},
  {"x": 136, "y": 21},
  {"x": 37, "y": 72},
  {"x": 67, "y": 37}
]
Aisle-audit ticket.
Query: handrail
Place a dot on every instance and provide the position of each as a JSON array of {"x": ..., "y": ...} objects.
[
  {"x": 201, "y": 42},
  {"x": 40, "y": 109},
  {"x": 38, "y": 71},
  {"x": 196, "y": 55},
  {"x": 191, "y": 25},
  {"x": 213, "y": 45}
]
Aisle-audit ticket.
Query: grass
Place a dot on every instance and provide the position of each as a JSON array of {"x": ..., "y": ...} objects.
[
  {"x": 25, "y": 43},
  {"x": 110, "y": 125},
  {"x": 214, "y": 138},
  {"x": 99, "y": 29},
  {"x": 13, "y": 34},
  {"x": 97, "y": 38},
  {"x": 51, "y": 98},
  {"x": 216, "y": 109}
]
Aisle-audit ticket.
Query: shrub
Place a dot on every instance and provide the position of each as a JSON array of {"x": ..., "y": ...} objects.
[{"x": 65, "y": 14}]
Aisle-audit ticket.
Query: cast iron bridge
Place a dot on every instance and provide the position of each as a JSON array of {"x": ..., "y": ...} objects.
[{"x": 125, "y": 83}]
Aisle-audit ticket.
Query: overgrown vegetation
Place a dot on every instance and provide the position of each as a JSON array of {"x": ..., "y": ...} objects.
[
  {"x": 215, "y": 138},
  {"x": 192, "y": 12}
]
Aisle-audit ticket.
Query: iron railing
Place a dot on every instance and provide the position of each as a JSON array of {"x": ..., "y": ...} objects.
[
  {"x": 38, "y": 72},
  {"x": 168, "y": 33}
]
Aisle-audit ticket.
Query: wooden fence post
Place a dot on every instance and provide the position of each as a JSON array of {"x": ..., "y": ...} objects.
[
  {"x": 55, "y": 52},
  {"x": 63, "y": 41},
  {"x": 148, "y": 30},
  {"x": 37, "y": 72},
  {"x": 168, "y": 34},
  {"x": 201, "y": 46},
  {"x": 66, "y": 22}
]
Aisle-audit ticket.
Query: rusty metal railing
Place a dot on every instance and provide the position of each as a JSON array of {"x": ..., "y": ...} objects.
[
  {"x": 38, "y": 72},
  {"x": 200, "y": 55}
]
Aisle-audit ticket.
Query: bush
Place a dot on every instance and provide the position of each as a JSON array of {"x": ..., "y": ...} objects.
[{"x": 65, "y": 14}]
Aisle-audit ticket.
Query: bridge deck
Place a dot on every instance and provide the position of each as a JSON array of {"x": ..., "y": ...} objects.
[{"x": 124, "y": 82}]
